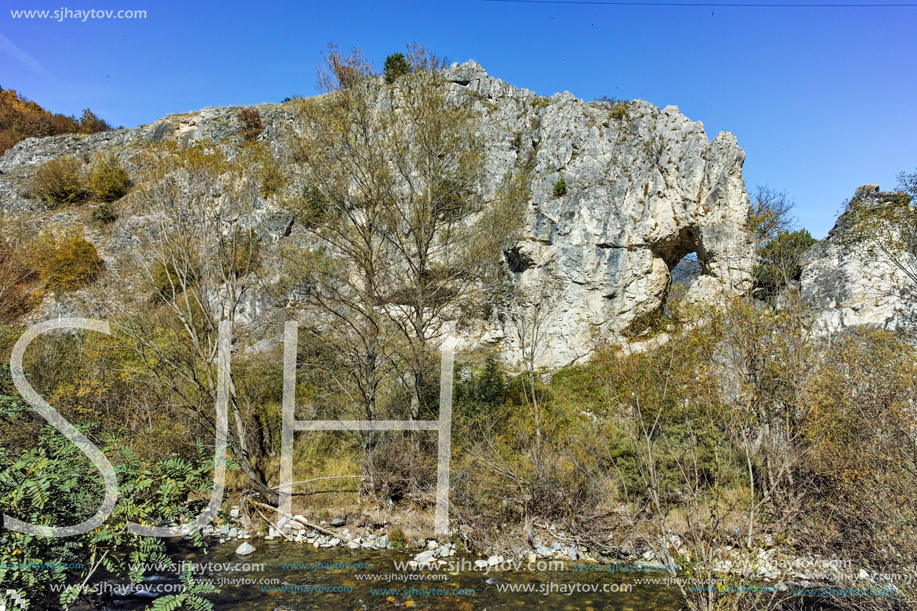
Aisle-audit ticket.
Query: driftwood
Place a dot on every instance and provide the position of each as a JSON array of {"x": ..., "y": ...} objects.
[
  {"x": 295, "y": 519},
  {"x": 277, "y": 528}
]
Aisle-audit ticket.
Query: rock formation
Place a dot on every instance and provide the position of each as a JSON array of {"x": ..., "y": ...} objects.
[
  {"x": 863, "y": 272},
  {"x": 644, "y": 188}
]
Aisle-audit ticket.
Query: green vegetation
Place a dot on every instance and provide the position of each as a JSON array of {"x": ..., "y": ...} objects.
[
  {"x": 397, "y": 539},
  {"x": 190, "y": 597},
  {"x": 105, "y": 214},
  {"x": 108, "y": 180},
  {"x": 779, "y": 262},
  {"x": 52, "y": 484},
  {"x": 16, "y": 272},
  {"x": 396, "y": 65},
  {"x": 59, "y": 182},
  {"x": 617, "y": 107},
  {"x": 540, "y": 101},
  {"x": 560, "y": 187}
]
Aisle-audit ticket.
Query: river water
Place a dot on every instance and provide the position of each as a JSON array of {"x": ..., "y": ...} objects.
[{"x": 289, "y": 577}]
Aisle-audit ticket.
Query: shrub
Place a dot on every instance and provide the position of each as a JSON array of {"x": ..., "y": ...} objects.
[
  {"x": 779, "y": 261},
  {"x": 67, "y": 263},
  {"x": 15, "y": 274},
  {"x": 540, "y": 101},
  {"x": 169, "y": 280},
  {"x": 251, "y": 124},
  {"x": 618, "y": 111},
  {"x": 108, "y": 180},
  {"x": 240, "y": 252},
  {"x": 396, "y": 65},
  {"x": 105, "y": 214},
  {"x": 560, "y": 188},
  {"x": 91, "y": 124},
  {"x": 397, "y": 538},
  {"x": 59, "y": 182},
  {"x": 477, "y": 393}
]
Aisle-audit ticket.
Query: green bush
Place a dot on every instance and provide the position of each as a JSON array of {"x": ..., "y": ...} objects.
[
  {"x": 53, "y": 484},
  {"x": 169, "y": 280},
  {"x": 618, "y": 111},
  {"x": 480, "y": 392},
  {"x": 540, "y": 101},
  {"x": 59, "y": 182},
  {"x": 397, "y": 539},
  {"x": 779, "y": 261},
  {"x": 67, "y": 263},
  {"x": 560, "y": 188},
  {"x": 105, "y": 214},
  {"x": 396, "y": 65},
  {"x": 108, "y": 180}
]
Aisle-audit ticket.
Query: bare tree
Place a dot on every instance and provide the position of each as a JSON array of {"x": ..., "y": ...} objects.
[
  {"x": 392, "y": 198},
  {"x": 534, "y": 311},
  {"x": 769, "y": 213},
  {"x": 199, "y": 260},
  {"x": 444, "y": 238},
  {"x": 341, "y": 147}
]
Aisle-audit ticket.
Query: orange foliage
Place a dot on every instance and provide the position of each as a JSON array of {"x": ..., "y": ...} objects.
[{"x": 20, "y": 118}]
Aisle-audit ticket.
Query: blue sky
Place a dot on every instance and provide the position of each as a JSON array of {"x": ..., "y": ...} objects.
[{"x": 821, "y": 99}]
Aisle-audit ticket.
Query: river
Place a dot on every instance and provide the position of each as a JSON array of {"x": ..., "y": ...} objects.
[{"x": 288, "y": 577}]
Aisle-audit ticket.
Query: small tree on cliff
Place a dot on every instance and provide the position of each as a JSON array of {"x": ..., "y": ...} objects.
[
  {"x": 396, "y": 65},
  {"x": 779, "y": 249},
  {"x": 779, "y": 262}
]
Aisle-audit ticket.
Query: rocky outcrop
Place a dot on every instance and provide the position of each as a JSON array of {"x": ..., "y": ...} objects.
[
  {"x": 863, "y": 273},
  {"x": 644, "y": 187}
]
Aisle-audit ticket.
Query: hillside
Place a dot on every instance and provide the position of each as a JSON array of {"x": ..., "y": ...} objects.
[
  {"x": 21, "y": 118},
  {"x": 643, "y": 188},
  {"x": 649, "y": 367}
]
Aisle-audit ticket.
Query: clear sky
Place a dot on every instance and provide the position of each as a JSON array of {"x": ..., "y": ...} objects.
[{"x": 821, "y": 99}]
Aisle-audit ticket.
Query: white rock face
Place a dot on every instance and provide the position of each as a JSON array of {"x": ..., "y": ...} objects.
[
  {"x": 853, "y": 282},
  {"x": 644, "y": 187}
]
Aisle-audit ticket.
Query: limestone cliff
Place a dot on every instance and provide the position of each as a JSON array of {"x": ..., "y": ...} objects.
[
  {"x": 863, "y": 273},
  {"x": 644, "y": 187}
]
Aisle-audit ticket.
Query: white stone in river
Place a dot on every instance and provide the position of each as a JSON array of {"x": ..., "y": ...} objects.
[{"x": 245, "y": 549}]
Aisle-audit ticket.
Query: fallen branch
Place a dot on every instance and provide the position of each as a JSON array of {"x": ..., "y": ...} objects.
[
  {"x": 295, "y": 519},
  {"x": 277, "y": 528}
]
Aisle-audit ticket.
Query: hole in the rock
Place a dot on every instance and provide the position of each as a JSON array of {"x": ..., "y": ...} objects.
[
  {"x": 687, "y": 270},
  {"x": 517, "y": 261},
  {"x": 683, "y": 275}
]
